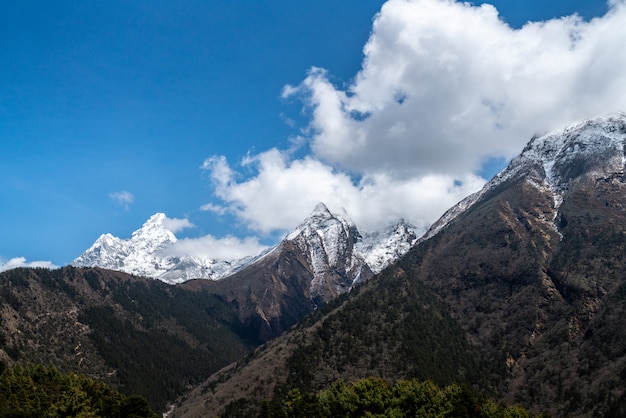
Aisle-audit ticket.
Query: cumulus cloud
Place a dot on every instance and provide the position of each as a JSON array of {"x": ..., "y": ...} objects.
[
  {"x": 209, "y": 247},
  {"x": 224, "y": 248},
  {"x": 210, "y": 207},
  {"x": 444, "y": 86},
  {"x": 122, "y": 198},
  {"x": 284, "y": 191},
  {"x": 21, "y": 262},
  {"x": 176, "y": 225}
]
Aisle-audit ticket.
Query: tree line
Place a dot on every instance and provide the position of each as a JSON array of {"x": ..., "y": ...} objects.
[
  {"x": 42, "y": 391},
  {"x": 375, "y": 397}
]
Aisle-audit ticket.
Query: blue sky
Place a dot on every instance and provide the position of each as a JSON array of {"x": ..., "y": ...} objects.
[{"x": 238, "y": 115}]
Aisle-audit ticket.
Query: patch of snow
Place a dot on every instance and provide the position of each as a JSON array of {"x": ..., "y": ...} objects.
[{"x": 381, "y": 248}]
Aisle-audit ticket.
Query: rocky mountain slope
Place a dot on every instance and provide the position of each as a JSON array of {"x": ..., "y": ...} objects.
[
  {"x": 519, "y": 290},
  {"x": 313, "y": 265},
  {"x": 324, "y": 257},
  {"x": 145, "y": 252},
  {"x": 155, "y": 339}
]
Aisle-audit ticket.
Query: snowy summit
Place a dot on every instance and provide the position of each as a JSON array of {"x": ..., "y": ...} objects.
[{"x": 329, "y": 241}]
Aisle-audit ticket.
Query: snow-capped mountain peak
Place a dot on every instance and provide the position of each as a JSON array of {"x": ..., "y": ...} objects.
[
  {"x": 381, "y": 248},
  {"x": 154, "y": 230},
  {"x": 339, "y": 253},
  {"x": 145, "y": 254},
  {"x": 593, "y": 147},
  {"x": 327, "y": 241},
  {"x": 153, "y": 235},
  {"x": 334, "y": 234},
  {"x": 333, "y": 246},
  {"x": 585, "y": 151}
]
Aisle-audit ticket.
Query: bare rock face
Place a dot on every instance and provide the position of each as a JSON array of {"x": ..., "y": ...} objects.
[
  {"x": 311, "y": 266},
  {"x": 327, "y": 243}
]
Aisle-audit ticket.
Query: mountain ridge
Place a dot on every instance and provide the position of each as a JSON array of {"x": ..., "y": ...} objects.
[
  {"x": 542, "y": 154},
  {"x": 524, "y": 291},
  {"x": 145, "y": 252},
  {"x": 139, "y": 335},
  {"x": 313, "y": 265}
]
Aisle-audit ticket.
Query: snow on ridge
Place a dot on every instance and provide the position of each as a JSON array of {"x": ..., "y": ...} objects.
[
  {"x": 330, "y": 240},
  {"x": 591, "y": 138},
  {"x": 381, "y": 248},
  {"x": 334, "y": 243},
  {"x": 378, "y": 248},
  {"x": 593, "y": 147},
  {"x": 598, "y": 142}
]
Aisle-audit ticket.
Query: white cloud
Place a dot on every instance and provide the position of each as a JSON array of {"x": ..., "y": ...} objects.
[
  {"x": 210, "y": 207},
  {"x": 284, "y": 191},
  {"x": 175, "y": 225},
  {"x": 443, "y": 87},
  {"x": 21, "y": 262},
  {"x": 444, "y": 84},
  {"x": 209, "y": 247},
  {"x": 122, "y": 198}
]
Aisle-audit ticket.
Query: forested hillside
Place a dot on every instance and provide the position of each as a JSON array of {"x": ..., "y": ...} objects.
[
  {"x": 39, "y": 391},
  {"x": 519, "y": 292},
  {"x": 375, "y": 397},
  {"x": 140, "y": 335}
]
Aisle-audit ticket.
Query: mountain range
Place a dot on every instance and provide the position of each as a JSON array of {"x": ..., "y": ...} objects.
[
  {"x": 325, "y": 235},
  {"x": 518, "y": 291},
  {"x": 324, "y": 257},
  {"x": 321, "y": 259}
]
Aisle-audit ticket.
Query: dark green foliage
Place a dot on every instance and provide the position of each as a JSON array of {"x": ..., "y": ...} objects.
[
  {"x": 141, "y": 335},
  {"x": 157, "y": 362},
  {"x": 38, "y": 391},
  {"x": 374, "y": 397},
  {"x": 394, "y": 326},
  {"x": 300, "y": 366}
]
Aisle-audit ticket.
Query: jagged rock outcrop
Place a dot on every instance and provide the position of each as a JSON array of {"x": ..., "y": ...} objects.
[{"x": 311, "y": 266}]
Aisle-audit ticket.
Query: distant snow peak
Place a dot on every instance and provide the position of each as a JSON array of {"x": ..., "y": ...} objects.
[
  {"x": 382, "y": 248},
  {"x": 145, "y": 253},
  {"x": 339, "y": 256}
]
